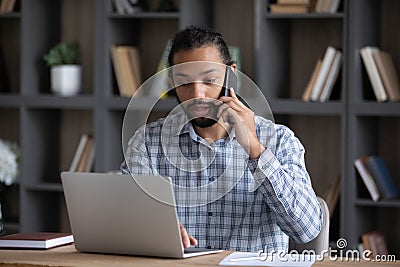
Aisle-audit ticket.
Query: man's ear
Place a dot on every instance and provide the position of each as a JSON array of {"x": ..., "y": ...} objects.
[{"x": 234, "y": 67}]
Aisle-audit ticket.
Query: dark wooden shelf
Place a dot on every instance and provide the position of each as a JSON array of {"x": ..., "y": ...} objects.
[
  {"x": 140, "y": 103},
  {"x": 10, "y": 100},
  {"x": 57, "y": 102},
  {"x": 11, "y": 227},
  {"x": 117, "y": 102},
  {"x": 394, "y": 203},
  {"x": 374, "y": 108},
  {"x": 147, "y": 15},
  {"x": 45, "y": 187},
  {"x": 296, "y": 106},
  {"x": 11, "y": 15},
  {"x": 269, "y": 15}
]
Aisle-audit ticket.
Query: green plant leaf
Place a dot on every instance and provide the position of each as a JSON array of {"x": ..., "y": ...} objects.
[{"x": 63, "y": 53}]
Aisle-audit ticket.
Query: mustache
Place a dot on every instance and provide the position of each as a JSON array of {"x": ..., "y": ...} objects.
[{"x": 201, "y": 102}]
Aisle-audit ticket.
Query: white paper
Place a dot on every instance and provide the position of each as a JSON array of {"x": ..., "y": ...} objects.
[{"x": 254, "y": 259}]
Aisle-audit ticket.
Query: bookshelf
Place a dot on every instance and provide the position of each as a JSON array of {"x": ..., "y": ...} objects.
[
  {"x": 287, "y": 48},
  {"x": 350, "y": 124},
  {"x": 372, "y": 126},
  {"x": 278, "y": 52},
  {"x": 48, "y": 127}
]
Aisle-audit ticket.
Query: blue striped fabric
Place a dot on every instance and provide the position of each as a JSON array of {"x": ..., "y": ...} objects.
[{"x": 225, "y": 200}]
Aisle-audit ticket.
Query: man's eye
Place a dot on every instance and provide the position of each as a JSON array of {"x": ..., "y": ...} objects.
[{"x": 208, "y": 81}]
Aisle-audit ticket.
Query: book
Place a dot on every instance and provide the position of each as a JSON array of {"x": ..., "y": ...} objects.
[
  {"x": 90, "y": 159},
  {"x": 290, "y": 9},
  {"x": 135, "y": 63},
  {"x": 307, "y": 92},
  {"x": 86, "y": 160},
  {"x": 373, "y": 73},
  {"x": 331, "y": 78},
  {"x": 323, "y": 73},
  {"x": 332, "y": 196},
  {"x": 118, "y": 7},
  {"x": 387, "y": 71},
  {"x": 163, "y": 62},
  {"x": 159, "y": 86},
  {"x": 294, "y": 2},
  {"x": 375, "y": 242},
  {"x": 38, "y": 240},
  {"x": 367, "y": 178},
  {"x": 78, "y": 153},
  {"x": 126, "y": 65},
  {"x": 322, "y": 6},
  {"x": 380, "y": 173},
  {"x": 125, "y": 7},
  {"x": 7, "y": 6},
  {"x": 333, "y": 6}
]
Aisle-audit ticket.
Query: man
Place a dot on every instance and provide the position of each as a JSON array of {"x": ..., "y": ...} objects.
[{"x": 263, "y": 195}]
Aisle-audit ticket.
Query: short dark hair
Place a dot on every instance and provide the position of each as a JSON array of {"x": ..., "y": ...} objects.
[{"x": 195, "y": 37}]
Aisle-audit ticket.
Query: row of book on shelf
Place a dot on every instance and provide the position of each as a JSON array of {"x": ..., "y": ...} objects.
[
  {"x": 382, "y": 73},
  {"x": 376, "y": 177},
  {"x": 83, "y": 159},
  {"x": 324, "y": 76},
  {"x": 380, "y": 69},
  {"x": 304, "y": 6}
]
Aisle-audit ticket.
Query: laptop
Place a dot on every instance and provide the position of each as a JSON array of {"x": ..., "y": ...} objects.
[{"x": 111, "y": 213}]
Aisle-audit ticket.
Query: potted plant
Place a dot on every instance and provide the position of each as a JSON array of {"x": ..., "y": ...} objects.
[{"x": 65, "y": 72}]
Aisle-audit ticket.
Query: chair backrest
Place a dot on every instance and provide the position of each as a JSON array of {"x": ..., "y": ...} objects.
[{"x": 321, "y": 242}]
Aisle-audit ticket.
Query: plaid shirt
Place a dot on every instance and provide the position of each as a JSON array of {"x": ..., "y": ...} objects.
[{"x": 225, "y": 200}]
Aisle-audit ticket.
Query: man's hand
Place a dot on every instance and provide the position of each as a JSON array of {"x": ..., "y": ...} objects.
[
  {"x": 242, "y": 118},
  {"x": 187, "y": 240}
]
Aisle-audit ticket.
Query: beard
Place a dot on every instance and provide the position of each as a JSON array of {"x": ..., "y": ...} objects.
[{"x": 202, "y": 122}]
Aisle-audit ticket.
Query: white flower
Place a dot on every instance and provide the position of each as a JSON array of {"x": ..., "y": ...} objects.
[{"x": 8, "y": 163}]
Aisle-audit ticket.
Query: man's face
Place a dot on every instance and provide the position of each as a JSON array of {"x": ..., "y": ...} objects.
[{"x": 199, "y": 82}]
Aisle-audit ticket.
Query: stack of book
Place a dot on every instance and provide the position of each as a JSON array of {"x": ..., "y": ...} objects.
[
  {"x": 84, "y": 155},
  {"x": 375, "y": 242},
  {"x": 290, "y": 6},
  {"x": 376, "y": 177},
  {"x": 324, "y": 76},
  {"x": 304, "y": 6},
  {"x": 381, "y": 73},
  {"x": 127, "y": 69}
]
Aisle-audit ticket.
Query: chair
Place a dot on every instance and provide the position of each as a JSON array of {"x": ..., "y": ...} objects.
[{"x": 321, "y": 242}]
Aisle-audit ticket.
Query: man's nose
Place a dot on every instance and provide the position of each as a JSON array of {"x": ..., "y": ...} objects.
[{"x": 198, "y": 90}]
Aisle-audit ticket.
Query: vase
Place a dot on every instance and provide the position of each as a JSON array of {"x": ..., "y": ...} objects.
[{"x": 66, "y": 79}]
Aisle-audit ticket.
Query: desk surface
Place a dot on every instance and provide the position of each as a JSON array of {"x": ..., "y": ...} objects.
[{"x": 68, "y": 256}]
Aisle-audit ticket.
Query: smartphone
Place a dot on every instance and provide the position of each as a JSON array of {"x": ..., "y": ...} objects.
[{"x": 230, "y": 81}]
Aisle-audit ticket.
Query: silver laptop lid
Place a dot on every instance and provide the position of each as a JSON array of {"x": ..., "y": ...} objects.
[{"x": 110, "y": 213}]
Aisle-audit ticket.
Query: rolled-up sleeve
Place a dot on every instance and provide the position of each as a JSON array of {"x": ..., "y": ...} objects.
[{"x": 287, "y": 189}]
